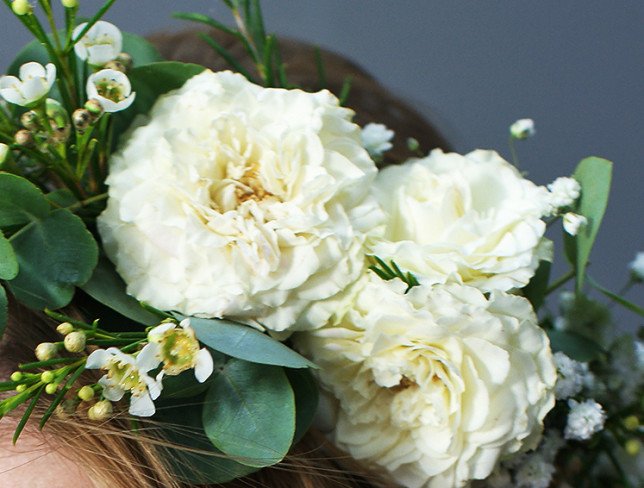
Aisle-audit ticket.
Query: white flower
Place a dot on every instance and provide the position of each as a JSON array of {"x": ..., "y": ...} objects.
[
  {"x": 376, "y": 139},
  {"x": 468, "y": 219},
  {"x": 127, "y": 373},
  {"x": 584, "y": 419},
  {"x": 4, "y": 150},
  {"x": 571, "y": 375},
  {"x": 112, "y": 89},
  {"x": 32, "y": 86},
  {"x": 534, "y": 472},
  {"x": 564, "y": 191},
  {"x": 573, "y": 222},
  {"x": 639, "y": 354},
  {"x": 179, "y": 350},
  {"x": 637, "y": 266},
  {"x": 101, "y": 44},
  {"x": 242, "y": 201},
  {"x": 522, "y": 129},
  {"x": 438, "y": 384}
]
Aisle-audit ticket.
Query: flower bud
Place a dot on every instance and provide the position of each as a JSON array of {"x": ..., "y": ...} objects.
[
  {"x": 94, "y": 107},
  {"x": 69, "y": 3},
  {"x": 86, "y": 393},
  {"x": 125, "y": 59},
  {"x": 632, "y": 447},
  {"x": 29, "y": 120},
  {"x": 21, "y": 7},
  {"x": 65, "y": 328},
  {"x": 47, "y": 377},
  {"x": 4, "y": 150},
  {"x": 46, "y": 351},
  {"x": 412, "y": 144},
  {"x": 21, "y": 388},
  {"x": 116, "y": 65},
  {"x": 51, "y": 388},
  {"x": 59, "y": 135},
  {"x": 24, "y": 138},
  {"x": 82, "y": 119},
  {"x": 522, "y": 129},
  {"x": 75, "y": 341},
  {"x": 573, "y": 223},
  {"x": 631, "y": 422},
  {"x": 16, "y": 376},
  {"x": 100, "y": 410}
]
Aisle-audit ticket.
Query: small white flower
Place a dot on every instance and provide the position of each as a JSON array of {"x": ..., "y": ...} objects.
[
  {"x": 637, "y": 266},
  {"x": 179, "y": 350},
  {"x": 522, "y": 129},
  {"x": 127, "y": 373},
  {"x": 563, "y": 192},
  {"x": 572, "y": 222},
  {"x": 534, "y": 472},
  {"x": 376, "y": 139},
  {"x": 570, "y": 376},
  {"x": 100, "y": 45},
  {"x": 112, "y": 89},
  {"x": 639, "y": 354},
  {"x": 32, "y": 86},
  {"x": 584, "y": 419},
  {"x": 4, "y": 150}
]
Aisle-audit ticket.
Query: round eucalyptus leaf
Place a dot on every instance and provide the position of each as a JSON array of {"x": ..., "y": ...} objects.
[
  {"x": 20, "y": 201},
  {"x": 8, "y": 261},
  {"x": 307, "y": 396}
]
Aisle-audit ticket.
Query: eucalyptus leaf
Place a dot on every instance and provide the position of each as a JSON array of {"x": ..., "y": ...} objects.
[
  {"x": 54, "y": 254},
  {"x": 8, "y": 261},
  {"x": 4, "y": 310},
  {"x": 61, "y": 198},
  {"x": 307, "y": 395},
  {"x": 536, "y": 290},
  {"x": 142, "y": 51},
  {"x": 574, "y": 346},
  {"x": 20, "y": 201},
  {"x": 594, "y": 176},
  {"x": 249, "y": 413},
  {"x": 107, "y": 287},
  {"x": 617, "y": 298},
  {"x": 244, "y": 342}
]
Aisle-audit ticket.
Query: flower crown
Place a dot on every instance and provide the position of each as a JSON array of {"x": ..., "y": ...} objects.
[{"x": 236, "y": 246}]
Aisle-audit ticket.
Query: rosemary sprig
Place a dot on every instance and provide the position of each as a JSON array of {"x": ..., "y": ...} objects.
[{"x": 391, "y": 271}]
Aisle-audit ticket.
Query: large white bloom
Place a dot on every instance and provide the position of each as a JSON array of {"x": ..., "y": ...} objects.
[
  {"x": 101, "y": 44},
  {"x": 241, "y": 201},
  {"x": 32, "y": 85},
  {"x": 468, "y": 219},
  {"x": 436, "y": 385}
]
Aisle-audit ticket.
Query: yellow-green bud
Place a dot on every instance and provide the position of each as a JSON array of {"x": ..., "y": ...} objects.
[
  {"x": 21, "y": 388},
  {"x": 47, "y": 377},
  {"x": 86, "y": 393},
  {"x": 46, "y": 351},
  {"x": 29, "y": 120},
  {"x": 21, "y": 7},
  {"x": 4, "y": 151},
  {"x": 17, "y": 376},
  {"x": 94, "y": 107},
  {"x": 65, "y": 328},
  {"x": 69, "y": 3},
  {"x": 24, "y": 138},
  {"x": 116, "y": 66},
  {"x": 51, "y": 388},
  {"x": 632, "y": 447},
  {"x": 100, "y": 410},
  {"x": 82, "y": 119},
  {"x": 75, "y": 341},
  {"x": 412, "y": 144},
  {"x": 631, "y": 422}
]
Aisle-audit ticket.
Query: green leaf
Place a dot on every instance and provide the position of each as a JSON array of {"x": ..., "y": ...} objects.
[
  {"x": 55, "y": 254},
  {"x": 185, "y": 385},
  {"x": 537, "y": 289},
  {"x": 617, "y": 298},
  {"x": 20, "y": 201},
  {"x": 4, "y": 310},
  {"x": 594, "y": 176},
  {"x": 244, "y": 342},
  {"x": 107, "y": 287},
  {"x": 249, "y": 413},
  {"x": 8, "y": 261},
  {"x": 193, "y": 458},
  {"x": 61, "y": 198},
  {"x": 574, "y": 346},
  {"x": 307, "y": 396},
  {"x": 141, "y": 50}
]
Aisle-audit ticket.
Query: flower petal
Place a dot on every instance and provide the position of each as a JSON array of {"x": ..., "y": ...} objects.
[
  {"x": 142, "y": 405},
  {"x": 148, "y": 358},
  {"x": 98, "y": 359},
  {"x": 204, "y": 366}
]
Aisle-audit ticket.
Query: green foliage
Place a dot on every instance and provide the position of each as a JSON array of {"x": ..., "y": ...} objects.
[
  {"x": 537, "y": 289},
  {"x": 575, "y": 346},
  {"x": 4, "y": 310},
  {"x": 307, "y": 397},
  {"x": 8, "y": 261},
  {"x": 391, "y": 271},
  {"x": 244, "y": 342},
  {"x": 617, "y": 298},
  {"x": 249, "y": 413},
  {"x": 20, "y": 201},
  {"x": 594, "y": 176}
]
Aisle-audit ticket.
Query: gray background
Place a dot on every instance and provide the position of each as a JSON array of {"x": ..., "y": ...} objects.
[{"x": 473, "y": 67}]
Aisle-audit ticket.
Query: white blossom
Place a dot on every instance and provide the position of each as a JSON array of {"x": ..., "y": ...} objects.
[
  {"x": 437, "y": 384},
  {"x": 522, "y": 129},
  {"x": 179, "y": 350},
  {"x": 573, "y": 222},
  {"x": 128, "y": 373},
  {"x": 376, "y": 139},
  {"x": 571, "y": 376},
  {"x": 242, "y": 201},
  {"x": 584, "y": 419},
  {"x": 564, "y": 191},
  {"x": 101, "y": 44},
  {"x": 534, "y": 472},
  {"x": 32, "y": 85},
  {"x": 469, "y": 219},
  {"x": 112, "y": 89},
  {"x": 637, "y": 266}
]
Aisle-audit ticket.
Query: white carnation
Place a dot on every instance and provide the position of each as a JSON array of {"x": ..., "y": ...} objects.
[
  {"x": 241, "y": 201},
  {"x": 438, "y": 384},
  {"x": 584, "y": 419},
  {"x": 468, "y": 219}
]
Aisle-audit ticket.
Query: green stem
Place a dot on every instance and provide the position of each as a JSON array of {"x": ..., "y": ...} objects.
[
  {"x": 52, "y": 23},
  {"x": 101, "y": 12},
  {"x": 560, "y": 282},
  {"x": 44, "y": 364},
  {"x": 513, "y": 151},
  {"x": 87, "y": 201}
]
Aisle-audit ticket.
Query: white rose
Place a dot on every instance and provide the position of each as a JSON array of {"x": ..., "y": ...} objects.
[
  {"x": 241, "y": 201},
  {"x": 468, "y": 219},
  {"x": 436, "y": 385}
]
